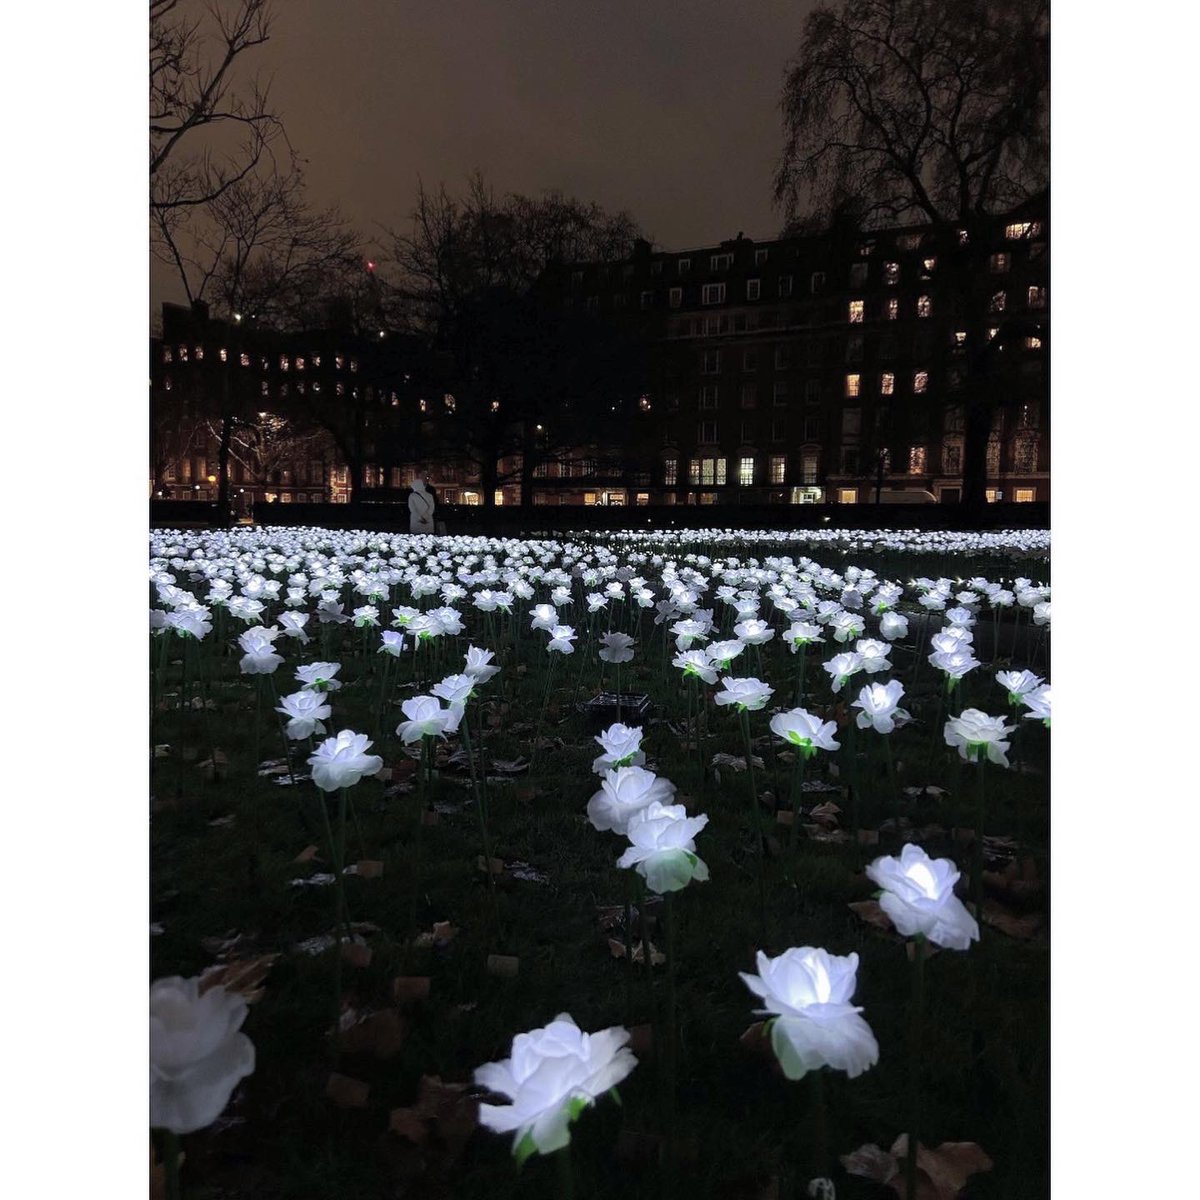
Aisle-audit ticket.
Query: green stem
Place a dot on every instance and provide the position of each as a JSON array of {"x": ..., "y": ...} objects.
[
  {"x": 672, "y": 1033},
  {"x": 756, "y": 818},
  {"x": 977, "y": 849},
  {"x": 171, "y": 1165},
  {"x": 798, "y": 764},
  {"x": 465, "y": 728},
  {"x": 819, "y": 1168},
  {"x": 566, "y": 1178}
]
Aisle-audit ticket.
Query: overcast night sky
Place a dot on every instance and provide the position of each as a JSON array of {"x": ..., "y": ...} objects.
[{"x": 668, "y": 110}]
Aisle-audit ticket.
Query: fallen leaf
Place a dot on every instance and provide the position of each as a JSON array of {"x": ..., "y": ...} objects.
[
  {"x": 242, "y": 975},
  {"x": 440, "y": 936},
  {"x": 445, "y": 1109},
  {"x": 941, "y": 1174},
  {"x": 617, "y": 949},
  {"x": 872, "y": 914},
  {"x": 346, "y": 1092},
  {"x": 306, "y": 855},
  {"x": 510, "y": 766}
]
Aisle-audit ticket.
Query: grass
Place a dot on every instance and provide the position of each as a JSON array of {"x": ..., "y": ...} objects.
[{"x": 986, "y": 1067}]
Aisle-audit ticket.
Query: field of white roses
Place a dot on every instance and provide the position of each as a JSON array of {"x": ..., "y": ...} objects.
[{"x": 649, "y": 863}]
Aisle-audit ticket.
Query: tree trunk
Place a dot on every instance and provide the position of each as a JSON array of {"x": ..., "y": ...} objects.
[{"x": 223, "y": 509}]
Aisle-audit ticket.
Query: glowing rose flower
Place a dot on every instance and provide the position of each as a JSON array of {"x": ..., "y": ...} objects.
[
  {"x": 595, "y": 602},
  {"x": 319, "y": 676},
  {"x": 802, "y": 633},
  {"x": 977, "y": 735},
  {"x": 393, "y": 643},
  {"x": 878, "y": 702},
  {"x": 1018, "y": 684},
  {"x": 449, "y": 619},
  {"x": 1001, "y": 598},
  {"x": 754, "y": 632},
  {"x": 402, "y": 616},
  {"x": 561, "y": 637},
  {"x": 1041, "y": 613},
  {"x": 293, "y": 625},
  {"x": 454, "y": 689},
  {"x": 748, "y": 695},
  {"x": 663, "y": 847},
  {"x": 259, "y": 646},
  {"x": 343, "y": 760},
  {"x": 329, "y": 612},
  {"x": 424, "y": 626},
  {"x": 197, "y": 1055},
  {"x": 426, "y": 718},
  {"x": 246, "y": 609},
  {"x": 305, "y": 711},
  {"x": 695, "y": 663},
  {"x": 934, "y": 601},
  {"x": 874, "y": 655},
  {"x": 618, "y": 647},
  {"x": 622, "y": 746},
  {"x": 846, "y": 626},
  {"x": 366, "y": 616},
  {"x": 687, "y": 631},
  {"x": 552, "y": 1074},
  {"x": 1038, "y": 703},
  {"x": 723, "y": 653},
  {"x": 918, "y": 897},
  {"x": 892, "y": 626},
  {"x": 190, "y": 622},
  {"x": 624, "y": 792},
  {"x": 955, "y": 663},
  {"x": 800, "y": 728},
  {"x": 807, "y": 992},
  {"x": 841, "y": 667},
  {"x": 479, "y": 664},
  {"x": 962, "y": 617},
  {"x": 545, "y": 616}
]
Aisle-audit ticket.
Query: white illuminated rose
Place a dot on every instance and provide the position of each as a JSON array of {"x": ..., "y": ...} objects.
[
  {"x": 1038, "y": 703},
  {"x": 293, "y": 625},
  {"x": 802, "y": 729},
  {"x": 366, "y": 617},
  {"x": 617, "y": 647},
  {"x": 259, "y": 657},
  {"x": 1018, "y": 684},
  {"x": 427, "y": 718},
  {"x": 754, "y": 632},
  {"x": 955, "y": 663},
  {"x": 561, "y": 639},
  {"x": 197, "y": 1054},
  {"x": 747, "y": 695},
  {"x": 918, "y": 897},
  {"x": 976, "y": 736},
  {"x": 879, "y": 706},
  {"x": 391, "y": 643},
  {"x": 841, "y": 667},
  {"x": 695, "y": 663},
  {"x": 343, "y": 760},
  {"x": 624, "y": 792},
  {"x": 545, "y": 616},
  {"x": 551, "y": 1075},
  {"x": 846, "y": 626},
  {"x": 305, "y": 712},
  {"x": 662, "y": 847},
  {"x": 723, "y": 653},
  {"x": 807, "y": 993},
  {"x": 622, "y": 746},
  {"x": 801, "y": 634},
  {"x": 479, "y": 664},
  {"x": 454, "y": 689},
  {"x": 893, "y": 625},
  {"x": 874, "y": 655},
  {"x": 320, "y": 676}
]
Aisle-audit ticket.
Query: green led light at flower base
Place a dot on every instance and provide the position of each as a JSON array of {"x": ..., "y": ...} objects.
[{"x": 802, "y": 729}]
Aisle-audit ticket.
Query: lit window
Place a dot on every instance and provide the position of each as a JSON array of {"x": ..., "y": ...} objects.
[
  {"x": 746, "y": 472},
  {"x": 644, "y": 403},
  {"x": 749, "y": 396},
  {"x": 808, "y": 467},
  {"x": 684, "y": 265},
  {"x": 183, "y": 354},
  {"x": 785, "y": 285},
  {"x": 778, "y": 468},
  {"x": 887, "y": 384},
  {"x": 340, "y": 389},
  {"x": 994, "y": 495},
  {"x": 993, "y": 455},
  {"x": 1022, "y": 229},
  {"x": 753, "y": 289},
  {"x": 1033, "y": 343},
  {"x": 992, "y": 331},
  {"x": 354, "y": 364},
  {"x": 708, "y": 395},
  {"x": 964, "y": 238},
  {"x": 284, "y": 362},
  {"x": 224, "y": 354},
  {"x": 712, "y": 293},
  {"x": 893, "y": 309},
  {"x": 760, "y": 256},
  {"x": 998, "y": 301},
  {"x": 852, "y": 384},
  {"x": 495, "y": 405},
  {"x": 928, "y": 266},
  {"x": 865, "y": 248},
  {"x": 167, "y": 383},
  {"x": 858, "y": 274},
  {"x": 670, "y": 472},
  {"x": 891, "y": 273},
  {"x": 924, "y": 306},
  {"x": 1024, "y": 495},
  {"x": 916, "y": 460},
  {"x": 920, "y": 382},
  {"x": 817, "y": 282},
  {"x": 676, "y": 297},
  {"x": 166, "y": 354},
  {"x": 720, "y": 262},
  {"x": 847, "y": 495},
  {"x": 960, "y": 340},
  {"x": 339, "y": 361},
  {"x": 1025, "y": 450},
  {"x": 998, "y": 264},
  {"x": 199, "y": 353},
  {"x": 1037, "y": 297},
  {"x": 856, "y": 312},
  {"x": 450, "y": 402},
  {"x": 264, "y": 388},
  {"x": 642, "y": 498},
  {"x": 720, "y": 472},
  {"x": 694, "y": 470}
]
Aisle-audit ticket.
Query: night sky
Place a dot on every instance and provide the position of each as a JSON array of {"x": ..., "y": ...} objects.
[{"x": 666, "y": 109}]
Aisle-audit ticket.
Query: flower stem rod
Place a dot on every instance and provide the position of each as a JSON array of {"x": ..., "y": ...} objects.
[
  {"x": 756, "y": 818},
  {"x": 914, "y": 1066},
  {"x": 171, "y": 1165}
]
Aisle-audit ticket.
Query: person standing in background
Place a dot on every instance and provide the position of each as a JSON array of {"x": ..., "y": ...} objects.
[{"x": 421, "y": 505}]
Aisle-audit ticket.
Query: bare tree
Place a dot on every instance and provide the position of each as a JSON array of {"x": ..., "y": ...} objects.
[
  {"x": 926, "y": 110},
  {"x": 209, "y": 127}
]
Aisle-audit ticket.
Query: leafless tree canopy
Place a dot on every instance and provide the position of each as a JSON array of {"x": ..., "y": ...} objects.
[
  {"x": 210, "y": 126},
  {"x": 928, "y": 109}
]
